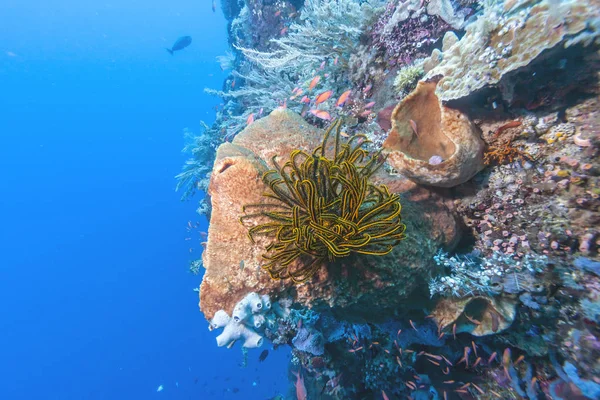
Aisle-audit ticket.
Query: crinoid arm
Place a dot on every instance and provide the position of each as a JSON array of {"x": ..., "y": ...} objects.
[{"x": 323, "y": 207}]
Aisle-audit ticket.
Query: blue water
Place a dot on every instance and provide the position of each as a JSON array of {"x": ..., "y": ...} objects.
[{"x": 96, "y": 301}]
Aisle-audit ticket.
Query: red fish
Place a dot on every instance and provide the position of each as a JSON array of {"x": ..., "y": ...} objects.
[
  {"x": 384, "y": 395},
  {"x": 369, "y": 105},
  {"x": 250, "y": 119},
  {"x": 321, "y": 114},
  {"x": 343, "y": 98},
  {"x": 314, "y": 82},
  {"x": 367, "y": 89},
  {"x": 300, "y": 388},
  {"x": 283, "y": 31},
  {"x": 305, "y": 100},
  {"x": 277, "y": 13},
  {"x": 323, "y": 97}
]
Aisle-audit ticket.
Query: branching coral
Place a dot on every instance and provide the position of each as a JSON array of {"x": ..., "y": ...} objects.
[
  {"x": 328, "y": 28},
  {"x": 196, "y": 170},
  {"x": 325, "y": 209},
  {"x": 321, "y": 42}
]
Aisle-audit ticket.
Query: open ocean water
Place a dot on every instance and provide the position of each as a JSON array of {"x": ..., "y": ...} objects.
[{"x": 96, "y": 299}]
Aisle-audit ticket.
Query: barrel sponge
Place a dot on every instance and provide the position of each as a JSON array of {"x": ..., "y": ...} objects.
[{"x": 432, "y": 144}]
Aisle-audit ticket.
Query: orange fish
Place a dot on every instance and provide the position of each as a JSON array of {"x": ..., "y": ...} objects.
[
  {"x": 283, "y": 31},
  {"x": 323, "y": 97},
  {"x": 314, "y": 82},
  {"x": 366, "y": 90},
  {"x": 506, "y": 357},
  {"x": 321, "y": 114},
  {"x": 300, "y": 388},
  {"x": 250, "y": 119},
  {"x": 343, "y": 98},
  {"x": 413, "y": 125},
  {"x": 412, "y": 324},
  {"x": 233, "y": 84},
  {"x": 305, "y": 100},
  {"x": 369, "y": 105},
  {"x": 384, "y": 395},
  {"x": 298, "y": 93},
  {"x": 277, "y": 13}
]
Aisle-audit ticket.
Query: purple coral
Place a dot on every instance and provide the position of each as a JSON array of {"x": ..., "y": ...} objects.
[
  {"x": 409, "y": 39},
  {"x": 310, "y": 341}
]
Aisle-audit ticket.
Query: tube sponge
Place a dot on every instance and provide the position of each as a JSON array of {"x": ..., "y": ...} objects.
[
  {"x": 258, "y": 320},
  {"x": 252, "y": 303},
  {"x": 266, "y": 302},
  {"x": 255, "y": 302},
  {"x": 234, "y": 331},
  {"x": 241, "y": 311},
  {"x": 249, "y": 317},
  {"x": 253, "y": 339}
]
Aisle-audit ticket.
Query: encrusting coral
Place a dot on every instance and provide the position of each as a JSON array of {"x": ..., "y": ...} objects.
[
  {"x": 433, "y": 144},
  {"x": 508, "y": 36},
  {"x": 326, "y": 209}
]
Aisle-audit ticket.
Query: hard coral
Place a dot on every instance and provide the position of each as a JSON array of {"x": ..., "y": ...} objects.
[
  {"x": 404, "y": 31},
  {"x": 326, "y": 209},
  {"x": 504, "y": 39}
]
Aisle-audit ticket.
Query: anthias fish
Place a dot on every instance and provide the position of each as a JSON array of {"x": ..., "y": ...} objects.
[
  {"x": 300, "y": 388},
  {"x": 180, "y": 44}
]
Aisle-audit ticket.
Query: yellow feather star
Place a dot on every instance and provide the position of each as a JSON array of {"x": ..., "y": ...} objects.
[{"x": 326, "y": 209}]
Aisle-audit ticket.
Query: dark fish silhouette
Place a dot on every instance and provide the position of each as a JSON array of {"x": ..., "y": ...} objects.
[
  {"x": 263, "y": 355},
  {"x": 180, "y": 44}
]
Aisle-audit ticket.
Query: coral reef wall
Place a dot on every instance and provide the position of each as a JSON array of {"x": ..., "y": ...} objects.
[{"x": 485, "y": 118}]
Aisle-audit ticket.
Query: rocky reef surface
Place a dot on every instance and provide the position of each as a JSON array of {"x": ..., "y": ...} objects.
[{"x": 485, "y": 116}]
